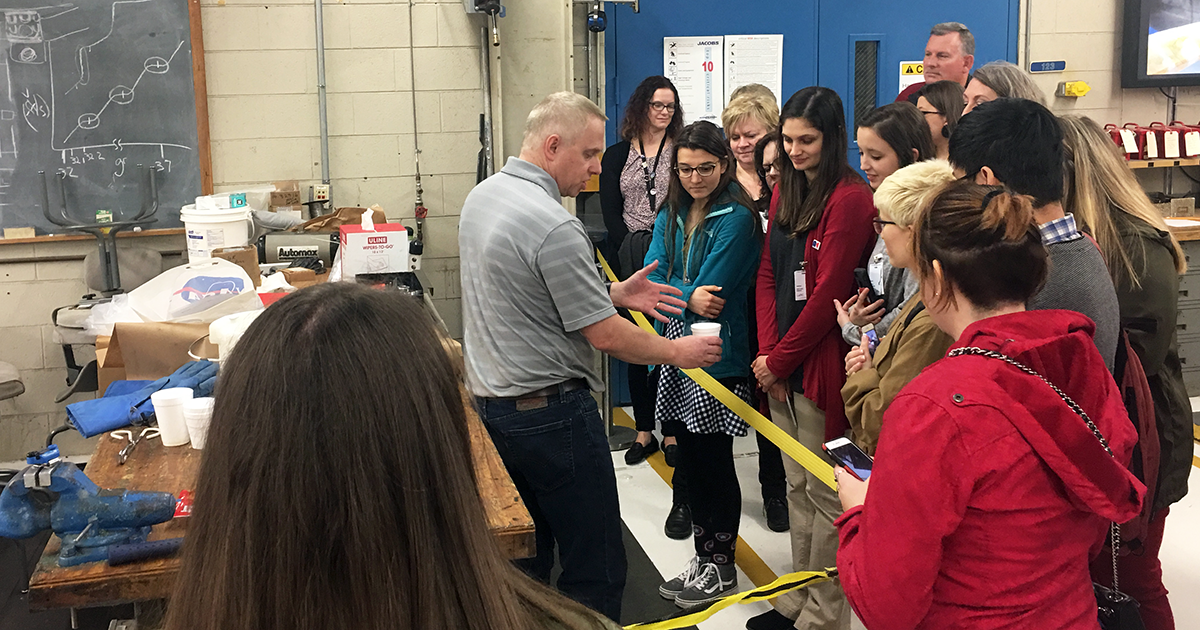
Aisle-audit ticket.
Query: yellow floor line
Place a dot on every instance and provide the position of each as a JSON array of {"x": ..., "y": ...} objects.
[
  {"x": 1196, "y": 432},
  {"x": 1196, "y": 461},
  {"x": 746, "y": 558}
]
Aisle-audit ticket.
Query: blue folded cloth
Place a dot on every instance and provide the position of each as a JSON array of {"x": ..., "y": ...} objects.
[{"x": 127, "y": 402}]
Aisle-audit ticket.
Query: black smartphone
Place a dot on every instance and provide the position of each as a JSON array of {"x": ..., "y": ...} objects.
[
  {"x": 852, "y": 458},
  {"x": 864, "y": 282}
]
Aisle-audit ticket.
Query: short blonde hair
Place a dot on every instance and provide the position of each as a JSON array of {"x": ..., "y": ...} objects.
[
  {"x": 750, "y": 107},
  {"x": 904, "y": 193},
  {"x": 756, "y": 90},
  {"x": 562, "y": 113}
]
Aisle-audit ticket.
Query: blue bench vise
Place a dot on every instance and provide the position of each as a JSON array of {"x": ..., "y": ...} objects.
[{"x": 51, "y": 493}]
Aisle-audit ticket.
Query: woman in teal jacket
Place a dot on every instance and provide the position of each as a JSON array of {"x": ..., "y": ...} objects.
[{"x": 707, "y": 241}]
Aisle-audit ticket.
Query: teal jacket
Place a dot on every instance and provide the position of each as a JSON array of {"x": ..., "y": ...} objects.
[{"x": 725, "y": 253}]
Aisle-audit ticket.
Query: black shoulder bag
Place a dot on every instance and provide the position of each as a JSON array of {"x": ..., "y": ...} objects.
[{"x": 1116, "y": 610}]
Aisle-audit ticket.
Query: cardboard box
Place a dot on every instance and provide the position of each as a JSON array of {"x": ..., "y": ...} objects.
[
  {"x": 285, "y": 198},
  {"x": 301, "y": 277},
  {"x": 383, "y": 249},
  {"x": 147, "y": 351},
  {"x": 245, "y": 257}
]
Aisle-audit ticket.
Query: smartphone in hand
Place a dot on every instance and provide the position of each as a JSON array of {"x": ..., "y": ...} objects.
[
  {"x": 863, "y": 280},
  {"x": 872, "y": 337},
  {"x": 850, "y": 457}
]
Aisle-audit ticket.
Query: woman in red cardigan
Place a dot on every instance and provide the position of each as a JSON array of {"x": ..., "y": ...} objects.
[
  {"x": 820, "y": 230},
  {"x": 989, "y": 493}
]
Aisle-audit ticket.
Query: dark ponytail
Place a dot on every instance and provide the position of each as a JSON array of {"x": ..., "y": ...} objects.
[{"x": 987, "y": 242}]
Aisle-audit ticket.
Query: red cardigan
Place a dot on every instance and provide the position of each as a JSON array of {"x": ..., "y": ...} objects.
[
  {"x": 841, "y": 241},
  {"x": 988, "y": 494}
]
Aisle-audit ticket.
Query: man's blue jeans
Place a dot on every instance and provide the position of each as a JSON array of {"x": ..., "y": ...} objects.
[{"x": 557, "y": 454}]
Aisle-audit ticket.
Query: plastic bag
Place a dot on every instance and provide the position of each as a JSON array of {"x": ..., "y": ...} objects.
[
  {"x": 196, "y": 293},
  {"x": 104, "y": 316}
]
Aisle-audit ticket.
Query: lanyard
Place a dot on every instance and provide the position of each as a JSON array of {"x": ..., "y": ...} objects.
[{"x": 648, "y": 176}]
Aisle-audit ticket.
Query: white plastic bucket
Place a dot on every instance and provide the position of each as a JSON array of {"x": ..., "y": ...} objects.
[{"x": 214, "y": 229}]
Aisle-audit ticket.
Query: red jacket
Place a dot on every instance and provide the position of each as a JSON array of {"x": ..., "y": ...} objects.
[
  {"x": 841, "y": 241},
  {"x": 989, "y": 494}
]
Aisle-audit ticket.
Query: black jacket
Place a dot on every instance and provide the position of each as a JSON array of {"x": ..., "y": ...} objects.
[{"x": 612, "y": 202}]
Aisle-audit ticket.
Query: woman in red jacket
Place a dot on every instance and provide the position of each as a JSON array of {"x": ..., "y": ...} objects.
[
  {"x": 989, "y": 493},
  {"x": 819, "y": 231}
]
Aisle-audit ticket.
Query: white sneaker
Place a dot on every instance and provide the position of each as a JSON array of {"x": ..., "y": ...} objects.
[
  {"x": 673, "y": 587},
  {"x": 713, "y": 583}
]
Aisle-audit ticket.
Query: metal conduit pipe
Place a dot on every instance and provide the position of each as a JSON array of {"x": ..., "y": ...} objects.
[
  {"x": 485, "y": 69},
  {"x": 321, "y": 108}
]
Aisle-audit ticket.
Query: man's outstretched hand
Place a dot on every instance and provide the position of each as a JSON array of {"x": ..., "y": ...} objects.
[{"x": 638, "y": 293}]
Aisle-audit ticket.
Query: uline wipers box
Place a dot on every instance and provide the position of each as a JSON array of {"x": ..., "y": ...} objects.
[{"x": 373, "y": 248}]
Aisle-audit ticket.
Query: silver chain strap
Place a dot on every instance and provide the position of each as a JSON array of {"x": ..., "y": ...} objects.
[{"x": 1115, "y": 529}]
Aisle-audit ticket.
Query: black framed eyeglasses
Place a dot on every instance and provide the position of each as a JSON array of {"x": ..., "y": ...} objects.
[
  {"x": 705, "y": 170},
  {"x": 658, "y": 107},
  {"x": 879, "y": 223}
]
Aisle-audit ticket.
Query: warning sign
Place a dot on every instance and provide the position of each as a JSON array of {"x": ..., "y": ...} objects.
[{"x": 911, "y": 72}]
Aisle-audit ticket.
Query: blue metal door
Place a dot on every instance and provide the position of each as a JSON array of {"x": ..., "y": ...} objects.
[
  {"x": 863, "y": 43},
  {"x": 633, "y": 42}
]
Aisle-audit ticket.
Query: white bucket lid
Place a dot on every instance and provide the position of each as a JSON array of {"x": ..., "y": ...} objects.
[{"x": 189, "y": 213}]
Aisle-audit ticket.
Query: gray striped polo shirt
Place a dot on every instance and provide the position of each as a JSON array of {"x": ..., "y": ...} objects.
[{"x": 529, "y": 285}]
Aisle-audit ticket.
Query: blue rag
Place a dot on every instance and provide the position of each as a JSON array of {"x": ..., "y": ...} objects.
[{"x": 127, "y": 402}]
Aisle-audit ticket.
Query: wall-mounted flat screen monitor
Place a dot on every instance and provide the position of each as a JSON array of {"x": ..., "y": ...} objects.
[{"x": 1161, "y": 44}]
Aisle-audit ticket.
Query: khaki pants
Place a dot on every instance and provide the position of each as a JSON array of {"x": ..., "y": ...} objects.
[{"x": 813, "y": 507}]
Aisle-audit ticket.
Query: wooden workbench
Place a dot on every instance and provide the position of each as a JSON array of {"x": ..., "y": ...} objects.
[{"x": 153, "y": 467}]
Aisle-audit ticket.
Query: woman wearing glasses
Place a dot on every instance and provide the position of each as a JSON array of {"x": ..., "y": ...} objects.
[
  {"x": 633, "y": 186},
  {"x": 913, "y": 341},
  {"x": 702, "y": 240},
  {"x": 942, "y": 105},
  {"x": 820, "y": 230}
]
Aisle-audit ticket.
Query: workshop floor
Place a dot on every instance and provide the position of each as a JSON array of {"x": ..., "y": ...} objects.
[{"x": 646, "y": 499}]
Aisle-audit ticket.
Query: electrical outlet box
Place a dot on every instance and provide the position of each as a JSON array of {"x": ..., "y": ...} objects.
[{"x": 321, "y": 192}]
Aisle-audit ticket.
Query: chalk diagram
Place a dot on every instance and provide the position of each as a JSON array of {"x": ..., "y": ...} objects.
[
  {"x": 121, "y": 95},
  {"x": 85, "y": 96}
]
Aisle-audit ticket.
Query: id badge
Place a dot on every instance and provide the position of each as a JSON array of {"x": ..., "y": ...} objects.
[{"x": 801, "y": 285}]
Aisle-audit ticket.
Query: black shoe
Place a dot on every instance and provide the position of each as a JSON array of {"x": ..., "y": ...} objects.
[
  {"x": 639, "y": 451},
  {"x": 679, "y": 522},
  {"x": 671, "y": 454},
  {"x": 770, "y": 620},
  {"x": 777, "y": 515}
]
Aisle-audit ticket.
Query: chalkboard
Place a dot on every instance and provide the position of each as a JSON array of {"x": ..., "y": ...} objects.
[{"x": 90, "y": 90}]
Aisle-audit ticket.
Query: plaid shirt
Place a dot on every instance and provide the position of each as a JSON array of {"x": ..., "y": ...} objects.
[{"x": 1060, "y": 230}]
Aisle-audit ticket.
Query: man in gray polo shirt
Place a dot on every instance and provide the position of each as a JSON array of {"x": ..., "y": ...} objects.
[{"x": 533, "y": 309}]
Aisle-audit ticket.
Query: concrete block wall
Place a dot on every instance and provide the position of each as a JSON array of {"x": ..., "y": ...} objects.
[
  {"x": 1087, "y": 34},
  {"x": 261, "y": 63},
  {"x": 35, "y": 279}
]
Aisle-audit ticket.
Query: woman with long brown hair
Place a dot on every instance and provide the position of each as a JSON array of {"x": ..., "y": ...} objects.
[
  {"x": 820, "y": 231},
  {"x": 1145, "y": 262},
  {"x": 702, "y": 240},
  {"x": 337, "y": 489}
]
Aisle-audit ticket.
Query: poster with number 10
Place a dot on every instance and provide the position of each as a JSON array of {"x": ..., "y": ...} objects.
[{"x": 695, "y": 66}]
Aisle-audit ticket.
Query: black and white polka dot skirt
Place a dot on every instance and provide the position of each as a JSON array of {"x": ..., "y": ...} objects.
[{"x": 680, "y": 398}]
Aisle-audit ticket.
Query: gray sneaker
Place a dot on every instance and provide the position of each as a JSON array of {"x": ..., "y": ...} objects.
[
  {"x": 714, "y": 582},
  {"x": 676, "y": 585}
]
